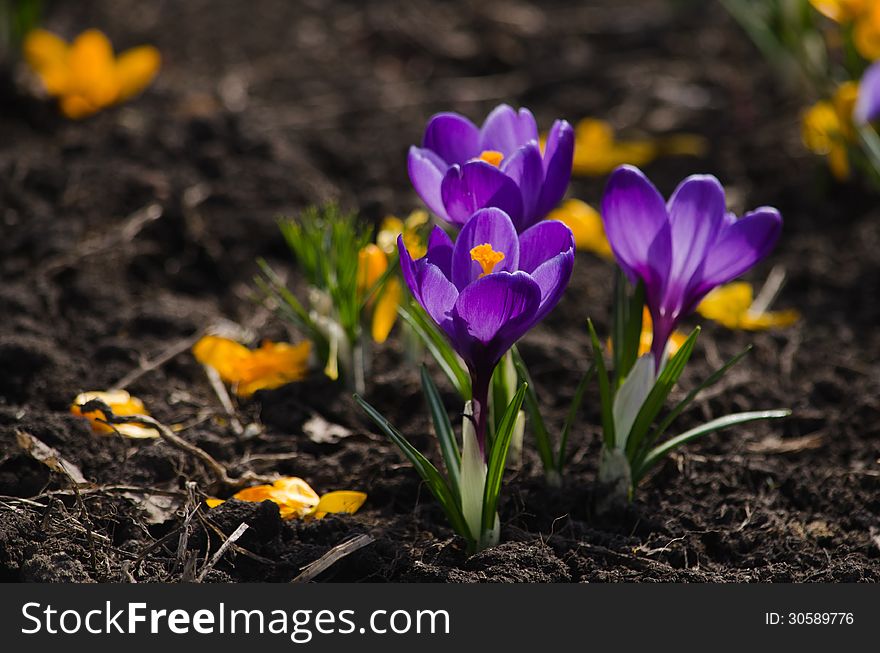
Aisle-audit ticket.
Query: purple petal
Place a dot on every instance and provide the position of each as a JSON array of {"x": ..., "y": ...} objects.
[
  {"x": 526, "y": 168},
  {"x": 637, "y": 226},
  {"x": 540, "y": 243},
  {"x": 492, "y": 313},
  {"x": 476, "y": 185},
  {"x": 558, "y": 159},
  {"x": 426, "y": 171},
  {"x": 552, "y": 278},
  {"x": 506, "y": 130},
  {"x": 491, "y": 226},
  {"x": 696, "y": 215},
  {"x": 868, "y": 104},
  {"x": 739, "y": 246},
  {"x": 453, "y": 137},
  {"x": 439, "y": 251},
  {"x": 430, "y": 287}
]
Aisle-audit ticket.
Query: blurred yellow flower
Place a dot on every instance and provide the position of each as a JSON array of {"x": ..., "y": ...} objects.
[
  {"x": 864, "y": 15},
  {"x": 731, "y": 306},
  {"x": 827, "y": 128},
  {"x": 841, "y": 11},
  {"x": 373, "y": 262},
  {"x": 586, "y": 225},
  {"x": 393, "y": 226},
  {"x": 297, "y": 500},
  {"x": 598, "y": 152},
  {"x": 122, "y": 404},
  {"x": 272, "y": 365},
  {"x": 86, "y": 76}
]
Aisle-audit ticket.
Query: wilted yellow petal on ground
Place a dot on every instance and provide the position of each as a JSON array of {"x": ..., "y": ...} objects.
[
  {"x": 341, "y": 501},
  {"x": 295, "y": 497},
  {"x": 93, "y": 68},
  {"x": 122, "y": 404},
  {"x": 46, "y": 54},
  {"x": 385, "y": 311},
  {"x": 272, "y": 365},
  {"x": 372, "y": 264},
  {"x": 729, "y": 306},
  {"x": 135, "y": 69},
  {"x": 223, "y": 354},
  {"x": 586, "y": 225},
  {"x": 213, "y": 503}
]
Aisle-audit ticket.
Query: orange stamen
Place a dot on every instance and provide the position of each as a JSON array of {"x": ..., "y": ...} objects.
[
  {"x": 492, "y": 157},
  {"x": 487, "y": 257}
]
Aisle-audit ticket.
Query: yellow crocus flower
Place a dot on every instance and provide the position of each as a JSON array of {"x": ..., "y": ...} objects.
[
  {"x": 826, "y": 128},
  {"x": 864, "y": 15},
  {"x": 597, "y": 150},
  {"x": 393, "y": 226},
  {"x": 586, "y": 225},
  {"x": 272, "y": 365},
  {"x": 86, "y": 76}
]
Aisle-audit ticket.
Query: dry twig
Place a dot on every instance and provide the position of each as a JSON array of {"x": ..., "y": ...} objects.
[{"x": 334, "y": 555}]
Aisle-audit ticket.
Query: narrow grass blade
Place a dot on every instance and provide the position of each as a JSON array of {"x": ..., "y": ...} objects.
[
  {"x": 714, "y": 378},
  {"x": 657, "y": 397},
  {"x": 605, "y": 396},
  {"x": 445, "y": 434},
  {"x": 441, "y": 351},
  {"x": 498, "y": 457},
  {"x": 434, "y": 480},
  {"x": 542, "y": 436},
  {"x": 626, "y": 326},
  {"x": 658, "y": 453}
]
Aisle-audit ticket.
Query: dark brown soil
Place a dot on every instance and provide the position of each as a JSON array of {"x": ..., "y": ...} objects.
[{"x": 265, "y": 107}]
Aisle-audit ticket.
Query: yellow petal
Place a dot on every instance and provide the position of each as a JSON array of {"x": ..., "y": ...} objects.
[
  {"x": 135, "y": 69},
  {"x": 341, "y": 501},
  {"x": 46, "y": 54},
  {"x": 223, "y": 354},
  {"x": 76, "y": 107},
  {"x": 93, "y": 69},
  {"x": 840, "y": 11},
  {"x": 866, "y": 35},
  {"x": 596, "y": 152},
  {"x": 819, "y": 126},
  {"x": 586, "y": 225},
  {"x": 727, "y": 304},
  {"x": 770, "y": 320},
  {"x": 271, "y": 366},
  {"x": 389, "y": 230},
  {"x": 295, "y": 497},
  {"x": 213, "y": 503},
  {"x": 416, "y": 219},
  {"x": 372, "y": 263},
  {"x": 385, "y": 311},
  {"x": 121, "y": 403}
]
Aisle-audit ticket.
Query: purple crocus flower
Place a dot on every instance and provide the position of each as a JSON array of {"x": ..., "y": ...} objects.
[
  {"x": 489, "y": 288},
  {"x": 684, "y": 248},
  {"x": 461, "y": 168},
  {"x": 868, "y": 104}
]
